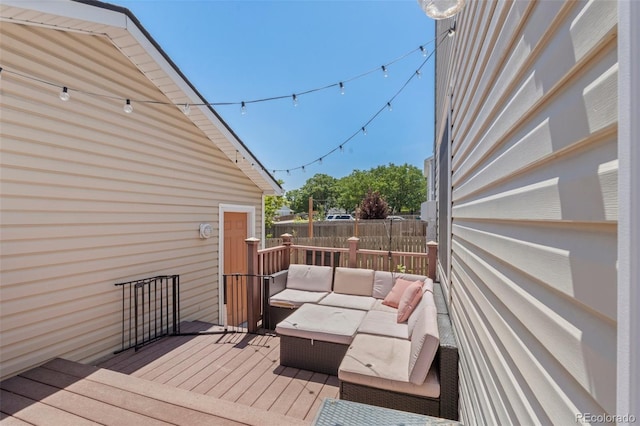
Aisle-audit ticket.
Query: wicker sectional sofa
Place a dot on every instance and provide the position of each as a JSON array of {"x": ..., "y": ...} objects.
[{"x": 346, "y": 329}]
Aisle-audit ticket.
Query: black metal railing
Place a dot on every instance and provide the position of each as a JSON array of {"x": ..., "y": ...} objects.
[
  {"x": 244, "y": 300},
  {"x": 150, "y": 310}
]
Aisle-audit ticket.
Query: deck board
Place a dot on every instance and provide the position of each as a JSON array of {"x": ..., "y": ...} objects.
[
  {"x": 233, "y": 378},
  {"x": 236, "y": 367}
]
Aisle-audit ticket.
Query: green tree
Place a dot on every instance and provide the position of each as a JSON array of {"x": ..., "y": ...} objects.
[
  {"x": 353, "y": 188},
  {"x": 323, "y": 189},
  {"x": 272, "y": 204},
  {"x": 403, "y": 187}
]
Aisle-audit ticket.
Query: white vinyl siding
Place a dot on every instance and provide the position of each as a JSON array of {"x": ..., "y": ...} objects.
[
  {"x": 92, "y": 196},
  {"x": 534, "y": 207}
]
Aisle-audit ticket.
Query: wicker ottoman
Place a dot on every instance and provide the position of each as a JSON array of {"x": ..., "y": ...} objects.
[{"x": 316, "y": 337}]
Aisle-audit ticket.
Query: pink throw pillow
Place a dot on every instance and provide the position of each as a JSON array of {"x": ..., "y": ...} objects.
[
  {"x": 410, "y": 299},
  {"x": 394, "y": 296}
]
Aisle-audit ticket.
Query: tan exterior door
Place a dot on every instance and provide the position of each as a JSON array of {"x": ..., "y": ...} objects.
[{"x": 235, "y": 262}]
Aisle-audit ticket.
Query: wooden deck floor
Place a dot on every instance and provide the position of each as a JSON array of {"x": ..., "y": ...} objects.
[{"x": 236, "y": 367}]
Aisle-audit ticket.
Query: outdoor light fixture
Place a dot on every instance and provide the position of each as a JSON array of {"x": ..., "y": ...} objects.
[
  {"x": 206, "y": 230},
  {"x": 64, "y": 95},
  {"x": 441, "y": 9}
]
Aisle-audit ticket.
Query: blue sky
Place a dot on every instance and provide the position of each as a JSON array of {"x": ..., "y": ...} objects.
[{"x": 235, "y": 51}]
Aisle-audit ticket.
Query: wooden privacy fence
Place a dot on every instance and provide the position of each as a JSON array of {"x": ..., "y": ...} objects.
[
  {"x": 346, "y": 229},
  {"x": 411, "y": 244}
]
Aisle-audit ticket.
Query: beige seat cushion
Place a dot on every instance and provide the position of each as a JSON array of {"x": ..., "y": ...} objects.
[
  {"x": 378, "y": 306},
  {"x": 358, "y": 282},
  {"x": 364, "y": 303},
  {"x": 381, "y": 362},
  {"x": 383, "y": 282},
  {"x": 384, "y": 324},
  {"x": 291, "y": 298},
  {"x": 310, "y": 277},
  {"x": 325, "y": 323},
  {"x": 425, "y": 339}
]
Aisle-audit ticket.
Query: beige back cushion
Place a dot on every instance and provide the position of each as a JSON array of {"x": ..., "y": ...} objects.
[
  {"x": 358, "y": 282},
  {"x": 383, "y": 282},
  {"x": 310, "y": 277},
  {"x": 425, "y": 340}
]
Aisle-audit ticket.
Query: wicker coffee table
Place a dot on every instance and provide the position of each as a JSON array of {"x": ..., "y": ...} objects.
[
  {"x": 316, "y": 337},
  {"x": 334, "y": 412}
]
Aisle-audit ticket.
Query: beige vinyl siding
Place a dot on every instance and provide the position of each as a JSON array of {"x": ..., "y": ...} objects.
[
  {"x": 92, "y": 196},
  {"x": 534, "y": 207}
]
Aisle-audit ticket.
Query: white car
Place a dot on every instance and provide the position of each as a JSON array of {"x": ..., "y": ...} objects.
[{"x": 340, "y": 217}]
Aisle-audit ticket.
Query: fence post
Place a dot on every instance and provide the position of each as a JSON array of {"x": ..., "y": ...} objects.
[
  {"x": 353, "y": 251},
  {"x": 253, "y": 291},
  {"x": 432, "y": 257},
  {"x": 286, "y": 242}
]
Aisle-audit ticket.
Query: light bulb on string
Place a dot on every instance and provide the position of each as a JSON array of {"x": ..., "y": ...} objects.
[
  {"x": 320, "y": 160},
  {"x": 186, "y": 109},
  {"x": 341, "y": 148},
  {"x": 451, "y": 32},
  {"x": 295, "y": 100},
  {"x": 419, "y": 74},
  {"x": 389, "y": 107},
  {"x": 288, "y": 172},
  {"x": 243, "y": 108},
  {"x": 424, "y": 51},
  {"x": 128, "y": 108},
  {"x": 303, "y": 169},
  {"x": 384, "y": 71},
  {"x": 64, "y": 95},
  {"x": 441, "y": 9},
  {"x": 364, "y": 131},
  {"x": 341, "y": 88}
]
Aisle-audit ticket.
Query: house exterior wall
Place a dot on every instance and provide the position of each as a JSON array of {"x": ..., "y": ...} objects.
[
  {"x": 531, "y": 92},
  {"x": 92, "y": 196}
]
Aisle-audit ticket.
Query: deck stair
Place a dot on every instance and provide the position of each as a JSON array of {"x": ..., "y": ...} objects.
[{"x": 63, "y": 392}]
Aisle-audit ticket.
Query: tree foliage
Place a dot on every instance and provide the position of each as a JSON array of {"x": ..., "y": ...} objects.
[
  {"x": 373, "y": 206},
  {"x": 323, "y": 189},
  {"x": 402, "y": 187},
  {"x": 272, "y": 204}
]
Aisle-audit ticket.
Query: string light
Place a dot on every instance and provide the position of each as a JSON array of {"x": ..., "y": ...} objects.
[
  {"x": 384, "y": 71},
  {"x": 363, "y": 129},
  {"x": 186, "y": 107},
  {"x": 295, "y": 100},
  {"x": 128, "y": 108},
  {"x": 424, "y": 51},
  {"x": 64, "y": 95},
  {"x": 389, "y": 107}
]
